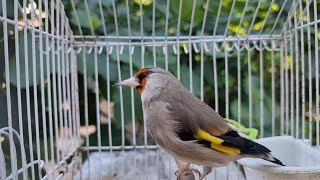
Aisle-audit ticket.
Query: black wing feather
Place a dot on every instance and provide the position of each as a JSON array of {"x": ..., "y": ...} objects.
[{"x": 246, "y": 146}]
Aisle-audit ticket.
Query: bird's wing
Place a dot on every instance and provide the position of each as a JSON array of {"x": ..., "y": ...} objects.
[{"x": 201, "y": 124}]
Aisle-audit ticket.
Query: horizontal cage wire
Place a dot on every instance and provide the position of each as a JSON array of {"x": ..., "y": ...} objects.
[{"x": 253, "y": 61}]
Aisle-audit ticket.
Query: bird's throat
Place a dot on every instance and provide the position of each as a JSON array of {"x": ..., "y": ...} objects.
[{"x": 142, "y": 85}]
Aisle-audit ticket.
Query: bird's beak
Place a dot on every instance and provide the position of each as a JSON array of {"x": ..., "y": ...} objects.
[{"x": 131, "y": 82}]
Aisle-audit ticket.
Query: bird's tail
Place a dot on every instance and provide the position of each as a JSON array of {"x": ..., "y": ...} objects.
[{"x": 269, "y": 157}]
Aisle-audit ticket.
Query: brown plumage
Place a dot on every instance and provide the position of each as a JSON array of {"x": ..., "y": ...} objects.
[{"x": 186, "y": 127}]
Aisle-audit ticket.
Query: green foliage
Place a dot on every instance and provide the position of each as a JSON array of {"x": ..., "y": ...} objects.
[{"x": 89, "y": 19}]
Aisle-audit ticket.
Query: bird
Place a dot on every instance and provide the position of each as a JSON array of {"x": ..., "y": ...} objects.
[{"x": 186, "y": 127}]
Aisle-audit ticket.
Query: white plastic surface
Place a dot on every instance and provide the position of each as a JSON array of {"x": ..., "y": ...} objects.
[{"x": 301, "y": 160}]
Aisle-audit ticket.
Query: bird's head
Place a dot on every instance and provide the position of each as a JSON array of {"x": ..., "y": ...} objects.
[{"x": 147, "y": 76}]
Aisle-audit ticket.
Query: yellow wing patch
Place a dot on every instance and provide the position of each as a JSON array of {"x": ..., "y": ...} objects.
[{"x": 216, "y": 143}]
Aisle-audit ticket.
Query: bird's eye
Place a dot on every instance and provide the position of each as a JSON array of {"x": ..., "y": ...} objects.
[{"x": 145, "y": 74}]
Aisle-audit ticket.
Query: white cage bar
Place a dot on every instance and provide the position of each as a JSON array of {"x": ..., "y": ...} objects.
[{"x": 253, "y": 61}]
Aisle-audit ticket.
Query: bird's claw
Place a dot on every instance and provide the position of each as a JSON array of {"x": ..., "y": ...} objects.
[{"x": 180, "y": 171}]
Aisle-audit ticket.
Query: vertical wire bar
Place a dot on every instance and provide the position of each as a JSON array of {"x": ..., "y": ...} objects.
[
  {"x": 227, "y": 49},
  {"x": 72, "y": 86},
  {"x": 250, "y": 88},
  {"x": 190, "y": 65},
  {"x": 105, "y": 33},
  {"x": 282, "y": 86},
  {"x": 286, "y": 76},
  {"x": 166, "y": 34},
  {"x": 54, "y": 81},
  {"x": 65, "y": 105},
  {"x": 119, "y": 72},
  {"x": 201, "y": 46},
  {"x": 131, "y": 74},
  {"x": 26, "y": 64},
  {"x": 73, "y": 126},
  {"x": 297, "y": 81},
  {"x": 283, "y": 6},
  {"x": 141, "y": 33},
  {"x": 254, "y": 16},
  {"x": 131, "y": 89},
  {"x": 42, "y": 84},
  {"x": 153, "y": 33},
  {"x": 13, "y": 157},
  {"x": 97, "y": 105},
  {"x": 190, "y": 48},
  {"x": 86, "y": 115},
  {"x": 17, "y": 45},
  {"x": 289, "y": 17},
  {"x": 239, "y": 82},
  {"x": 109, "y": 108},
  {"x": 72, "y": 58},
  {"x": 302, "y": 72},
  {"x": 145, "y": 134},
  {"x": 48, "y": 69},
  {"x": 35, "y": 94},
  {"x": 63, "y": 130},
  {"x": 309, "y": 73},
  {"x": 201, "y": 72},
  {"x": 273, "y": 91},
  {"x": 261, "y": 92},
  {"x": 71, "y": 120},
  {"x": 217, "y": 19},
  {"x": 291, "y": 68},
  {"x": 119, "y": 76},
  {"x": 242, "y": 17},
  {"x": 216, "y": 97},
  {"x": 178, "y": 40},
  {"x": 316, "y": 48},
  {"x": 76, "y": 17},
  {"x": 266, "y": 17},
  {"x": 229, "y": 18},
  {"x": 72, "y": 96},
  {"x": 102, "y": 19},
  {"x": 226, "y": 69},
  {"x": 89, "y": 15}
]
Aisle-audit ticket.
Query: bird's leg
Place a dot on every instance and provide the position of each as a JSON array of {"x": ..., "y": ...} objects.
[
  {"x": 206, "y": 171},
  {"x": 183, "y": 166}
]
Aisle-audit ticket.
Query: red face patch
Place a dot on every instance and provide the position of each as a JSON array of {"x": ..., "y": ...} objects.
[
  {"x": 142, "y": 85},
  {"x": 142, "y": 74}
]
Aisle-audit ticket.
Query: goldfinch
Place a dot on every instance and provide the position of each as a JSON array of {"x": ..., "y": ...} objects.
[{"x": 186, "y": 127}]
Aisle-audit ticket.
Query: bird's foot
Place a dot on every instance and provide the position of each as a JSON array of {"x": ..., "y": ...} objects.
[
  {"x": 206, "y": 171},
  {"x": 202, "y": 176},
  {"x": 187, "y": 167}
]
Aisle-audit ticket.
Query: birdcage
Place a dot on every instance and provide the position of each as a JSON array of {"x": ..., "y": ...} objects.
[{"x": 253, "y": 61}]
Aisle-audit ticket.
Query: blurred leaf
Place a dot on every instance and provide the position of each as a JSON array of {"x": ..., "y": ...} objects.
[
  {"x": 84, "y": 19},
  {"x": 186, "y": 12},
  {"x": 95, "y": 22}
]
